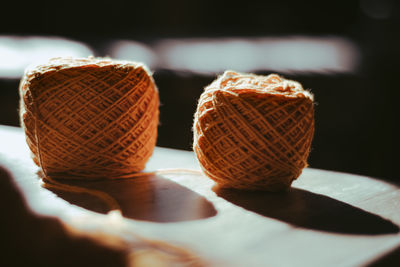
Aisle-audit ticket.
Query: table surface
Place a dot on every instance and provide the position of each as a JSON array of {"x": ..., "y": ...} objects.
[{"x": 326, "y": 219}]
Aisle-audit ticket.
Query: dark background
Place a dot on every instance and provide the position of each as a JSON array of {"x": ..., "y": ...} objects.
[{"x": 356, "y": 112}]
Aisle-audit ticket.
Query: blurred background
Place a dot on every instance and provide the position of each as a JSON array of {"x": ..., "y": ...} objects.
[{"x": 346, "y": 52}]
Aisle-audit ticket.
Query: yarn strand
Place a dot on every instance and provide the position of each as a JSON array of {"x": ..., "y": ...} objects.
[
  {"x": 90, "y": 119},
  {"x": 111, "y": 202},
  {"x": 50, "y": 183},
  {"x": 253, "y": 132}
]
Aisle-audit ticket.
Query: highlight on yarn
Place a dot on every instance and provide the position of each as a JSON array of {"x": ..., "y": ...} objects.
[{"x": 253, "y": 132}]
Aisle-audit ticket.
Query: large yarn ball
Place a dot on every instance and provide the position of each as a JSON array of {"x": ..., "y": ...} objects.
[
  {"x": 253, "y": 132},
  {"x": 89, "y": 117}
]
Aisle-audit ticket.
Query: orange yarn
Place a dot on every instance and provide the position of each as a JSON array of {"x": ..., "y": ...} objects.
[
  {"x": 253, "y": 132},
  {"x": 96, "y": 118},
  {"x": 89, "y": 118}
]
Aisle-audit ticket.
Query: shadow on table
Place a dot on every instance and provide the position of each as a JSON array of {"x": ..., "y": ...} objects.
[
  {"x": 149, "y": 198},
  {"x": 388, "y": 260},
  {"x": 305, "y": 209}
]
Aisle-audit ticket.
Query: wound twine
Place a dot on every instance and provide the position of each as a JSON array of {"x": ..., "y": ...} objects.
[
  {"x": 94, "y": 118},
  {"x": 253, "y": 132},
  {"x": 89, "y": 118}
]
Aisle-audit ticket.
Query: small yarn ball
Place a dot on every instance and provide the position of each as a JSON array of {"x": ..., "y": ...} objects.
[
  {"x": 253, "y": 132},
  {"x": 90, "y": 117}
]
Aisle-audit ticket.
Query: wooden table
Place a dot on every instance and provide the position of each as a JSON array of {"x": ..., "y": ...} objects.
[{"x": 326, "y": 219}]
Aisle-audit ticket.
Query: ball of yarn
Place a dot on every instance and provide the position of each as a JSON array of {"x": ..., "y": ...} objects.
[
  {"x": 89, "y": 117},
  {"x": 253, "y": 132}
]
